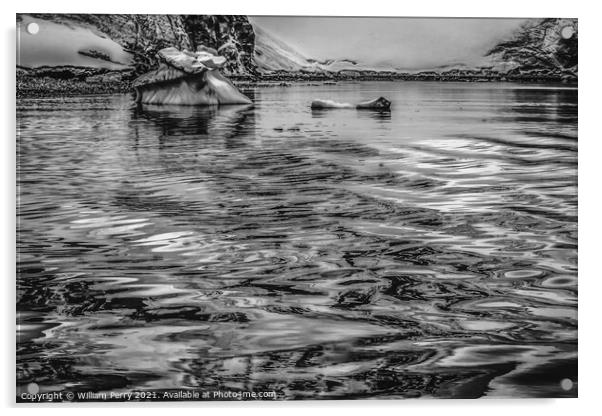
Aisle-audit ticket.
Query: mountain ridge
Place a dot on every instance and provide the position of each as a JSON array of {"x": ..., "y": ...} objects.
[
  {"x": 121, "y": 47},
  {"x": 537, "y": 45},
  {"x": 273, "y": 54}
]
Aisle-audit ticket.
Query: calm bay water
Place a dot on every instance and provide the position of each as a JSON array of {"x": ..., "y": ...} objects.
[{"x": 426, "y": 252}]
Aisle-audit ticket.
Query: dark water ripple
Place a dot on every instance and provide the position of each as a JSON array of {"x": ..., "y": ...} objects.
[{"x": 427, "y": 252}]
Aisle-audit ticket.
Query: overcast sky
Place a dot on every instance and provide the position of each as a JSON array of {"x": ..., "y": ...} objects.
[{"x": 402, "y": 42}]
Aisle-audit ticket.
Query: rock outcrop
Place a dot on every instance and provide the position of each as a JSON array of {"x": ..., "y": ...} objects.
[
  {"x": 188, "y": 78},
  {"x": 231, "y": 36},
  {"x": 540, "y": 46}
]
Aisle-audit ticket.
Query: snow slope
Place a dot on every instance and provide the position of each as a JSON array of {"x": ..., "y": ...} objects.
[
  {"x": 272, "y": 54},
  {"x": 59, "y": 44}
]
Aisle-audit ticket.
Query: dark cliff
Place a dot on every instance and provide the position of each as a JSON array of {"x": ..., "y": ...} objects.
[
  {"x": 548, "y": 45},
  {"x": 232, "y": 36}
]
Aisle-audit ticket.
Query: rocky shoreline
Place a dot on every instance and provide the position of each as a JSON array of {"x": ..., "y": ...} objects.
[{"x": 70, "y": 81}]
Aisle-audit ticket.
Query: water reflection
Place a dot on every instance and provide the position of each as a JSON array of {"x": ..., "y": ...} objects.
[
  {"x": 426, "y": 252},
  {"x": 174, "y": 121},
  {"x": 361, "y": 114},
  {"x": 379, "y": 115}
]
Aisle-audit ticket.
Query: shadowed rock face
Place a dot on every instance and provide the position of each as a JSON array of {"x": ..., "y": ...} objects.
[
  {"x": 232, "y": 37},
  {"x": 540, "y": 45},
  {"x": 188, "y": 78}
]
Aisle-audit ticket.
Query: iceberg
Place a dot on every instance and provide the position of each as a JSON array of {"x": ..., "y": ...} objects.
[
  {"x": 379, "y": 103},
  {"x": 188, "y": 78}
]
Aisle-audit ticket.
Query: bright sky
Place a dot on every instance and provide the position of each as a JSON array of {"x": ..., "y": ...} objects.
[{"x": 403, "y": 42}]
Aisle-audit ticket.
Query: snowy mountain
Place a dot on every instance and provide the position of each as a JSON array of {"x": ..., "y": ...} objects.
[
  {"x": 538, "y": 48},
  {"x": 272, "y": 54},
  {"x": 81, "y": 46},
  {"x": 94, "y": 40}
]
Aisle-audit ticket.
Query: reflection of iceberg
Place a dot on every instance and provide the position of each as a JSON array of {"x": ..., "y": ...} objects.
[
  {"x": 187, "y": 78},
  {"x": 177, "y": 120},
  {"x": 380, "y": 115}
]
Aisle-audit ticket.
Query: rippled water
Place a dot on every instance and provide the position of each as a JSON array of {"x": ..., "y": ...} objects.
[{"x": 426, "y": 252}]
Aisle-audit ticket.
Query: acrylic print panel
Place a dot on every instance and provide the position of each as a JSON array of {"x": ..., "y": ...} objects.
[{"x": 290, "y": 208}]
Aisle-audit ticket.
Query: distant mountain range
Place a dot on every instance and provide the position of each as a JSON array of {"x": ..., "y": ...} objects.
[
  {"x": 106, "y": 52},
  {"x": 538, "y": 45}
]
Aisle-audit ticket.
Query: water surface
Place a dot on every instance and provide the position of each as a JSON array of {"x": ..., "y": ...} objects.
[{"x": 426, "y": 252}]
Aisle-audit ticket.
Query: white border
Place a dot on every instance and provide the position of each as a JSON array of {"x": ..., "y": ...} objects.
[{"x": 589, "y": 201}]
